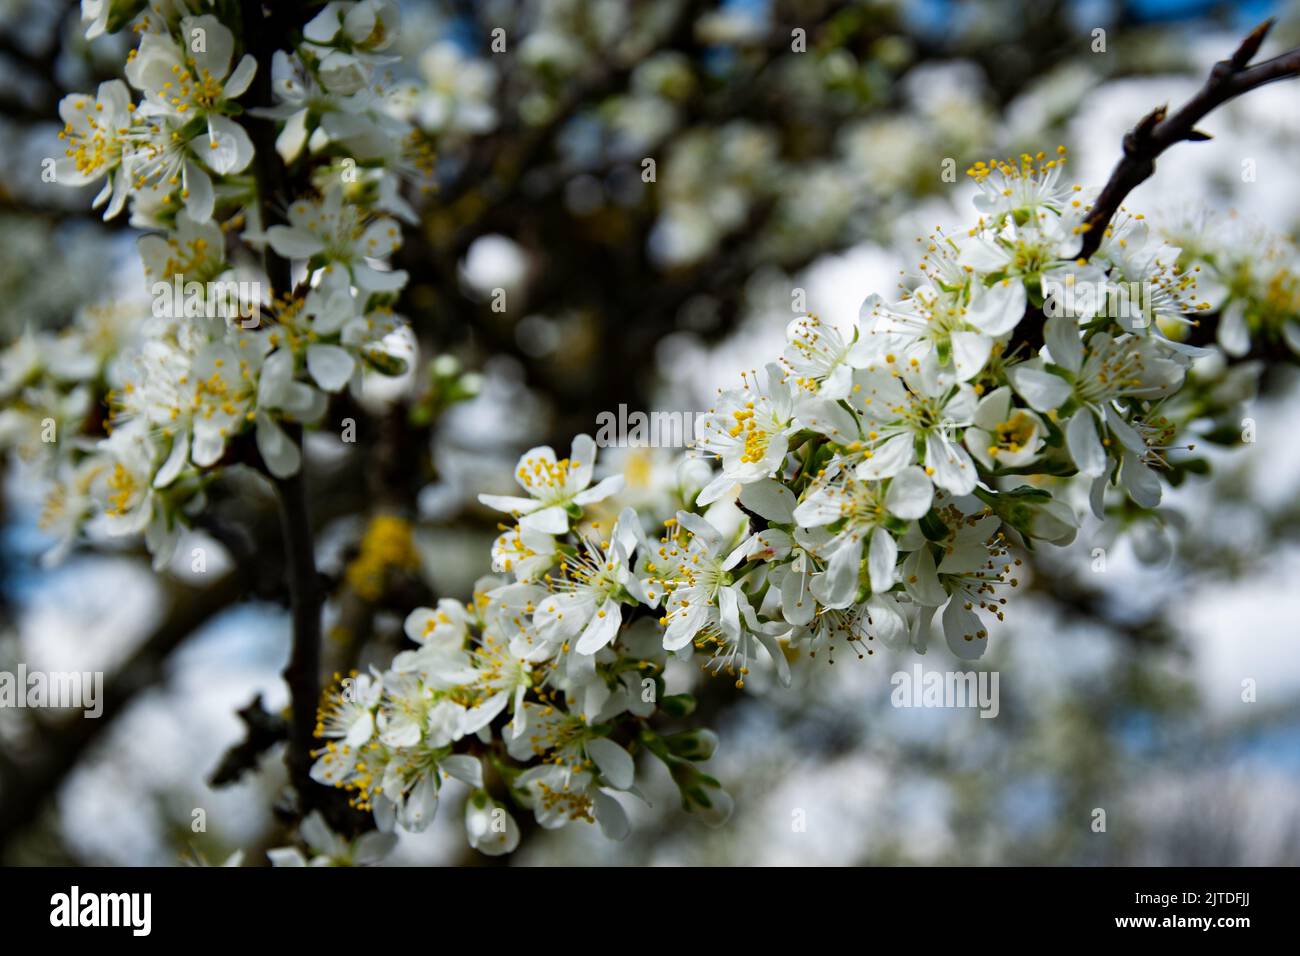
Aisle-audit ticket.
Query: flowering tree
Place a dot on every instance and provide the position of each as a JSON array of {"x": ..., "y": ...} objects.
[{"x": 885, "y": 475}]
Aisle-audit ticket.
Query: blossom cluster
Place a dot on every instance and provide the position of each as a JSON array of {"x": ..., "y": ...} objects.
[
  {"x": 1250, "y": 277},
  {"x": 884, "y": 477},
  {"x": 871, "y": 485},
  {"x": 229, "y": 357}
]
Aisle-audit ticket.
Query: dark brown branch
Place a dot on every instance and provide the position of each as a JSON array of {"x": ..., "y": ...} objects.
[
  {"x": 262, "y": 731},
  {"x": 302, "y": 673},
  {"x": 262, "y": 35},
  {"x": 1158, "y": 131}
]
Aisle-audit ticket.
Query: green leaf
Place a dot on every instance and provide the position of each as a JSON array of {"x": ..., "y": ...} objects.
[
  {"x": 692, "y": 744},
  {"x": 678, "y": 705},
  {"x": 384, "y": 363},
  {"x": 933, "y": 528}
]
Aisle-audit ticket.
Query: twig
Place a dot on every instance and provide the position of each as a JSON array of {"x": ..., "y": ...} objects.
[
  {"x": 261, "y": 35},
  {"x": 262, "y": 731},
  {"x": 1158, "y": 131},
  {"x": 302, "y": 673}
]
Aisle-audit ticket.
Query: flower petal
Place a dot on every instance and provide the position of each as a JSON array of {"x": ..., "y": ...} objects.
[
  {"x": 887, "y": 459},
  {"x": 997, "y": 309},
  {"x": 1085, "y": 447},
  {"x": 602, "y": 628},
  {"x": 769, "y": 499},
  {"x": 882, "y": 558},
  {"x": 1041, "y": 389},
  {"x": 294, "y": 243},
  {"x": 225, "y": 148},
  {"x": 952, "y": 468},
  {"x": 970, "y": 352},
  {"x": 330, "y": 366},
  {"x": 281, "y": 455},
  {"x": 1062, "y": 337},
  {"x": 614, "y": 762},
  {"x": 464, "y": 768},
  {"x": 910, "y": 493}
]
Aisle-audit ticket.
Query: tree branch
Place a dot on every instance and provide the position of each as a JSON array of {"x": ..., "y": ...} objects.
[
  {"x": 1158, "y": 131},
  {"x": 262, "y": 34},
  {"x": 302, "y": 673},
  {"x": 262, "y": 731}
]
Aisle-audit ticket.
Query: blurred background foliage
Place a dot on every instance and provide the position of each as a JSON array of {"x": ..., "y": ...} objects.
[{"x": 797, "y": 146}]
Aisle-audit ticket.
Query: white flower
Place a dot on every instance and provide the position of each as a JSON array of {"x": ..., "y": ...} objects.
[
  {"x": 954, "y": 315},
  {"x": 657, "y": 480},
  {"x": 556, "y": 488},
  {"x": 1044, "y": 247},
  {"x": 399, "y": 773},
  {"x": 407, "y": 708},
  {"x": 819, "y": 358},
  {"x": 182, "y": 84},
  {"x": 564, "y": 788},
  {"x": 124, "y": 485},
  {"x": 1000, "y": 438},
  {"x": 1147, "y": 290},
  {"x": 223, "y": 388},
  {"x": 973, "y": 566},
  {"x": 341, "y": 233},
  {"x": 441, "y": 660},
  {"x": 894, "y": 621},
  {"x": 350, "y": 715},
  {"x": 66, "y": 506},
  {"x": 927, "y": 413},
  {"x": 457, "y": 94},
  {"x": 194, "y": 250},
  {"x": 861, "y": 511},
  {"x": 96, "y": 134},
  {"x": 352, "y": 33},
  {"x": 280, "y": 395},
  {"x": 960, "y": 326},
  {"x": 1093, "y": 377},
  {"x": 1142, "y": 444},
  {"x": 330, "y": 849},
  {"x": 124, "y": 491},
  {"x": 369, "y": 25},
  {"x": 747, "y": 431},
  {"x": 489, "y": 827},
  {"x": 732, "y": 647},
  {"x": 559, "y": 795},
  {"x": 1250, "y": 276},
  {"x": 791, "y": 593},
  {"x": 20, "y": 364},
  {"x": 160, "y": 394},
  {"x": 1023, "y": 188},
  {"x": 587, "y": 599},
  {"x": 95, "y": 14},
  {"x": 503, "y": 673},
  {"x": 524, "y": 552},
  {"x": 194, "y": 80},
  {"x": 701, "y": 591},
  {"x": 317, "y": 328},
  {"x": 299, "y": 97}
]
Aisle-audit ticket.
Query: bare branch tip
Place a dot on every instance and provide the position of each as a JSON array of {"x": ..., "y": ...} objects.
[
  {"x": 1250, "y": 46},
  {"x": 1152, "y": 120}
]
